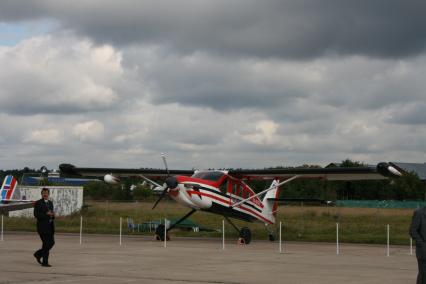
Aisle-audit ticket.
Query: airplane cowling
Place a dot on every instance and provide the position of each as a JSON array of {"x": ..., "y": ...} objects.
[{"x": 109, "y": 178}]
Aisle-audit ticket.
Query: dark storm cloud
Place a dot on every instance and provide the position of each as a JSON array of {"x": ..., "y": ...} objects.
[
  {"x": 12, "y": 11},
  {"x": 288, "y": 29},
  {"x": 411, "y": 114}
]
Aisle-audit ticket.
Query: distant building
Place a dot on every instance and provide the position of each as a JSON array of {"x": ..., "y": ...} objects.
[{"x": 55, "y": 178}]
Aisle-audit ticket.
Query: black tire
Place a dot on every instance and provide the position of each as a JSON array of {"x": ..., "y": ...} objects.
[
  {"x": 159, "y": 232},
  {"x": 245, "y": 233},
  {"x": 271, "y": 237}
]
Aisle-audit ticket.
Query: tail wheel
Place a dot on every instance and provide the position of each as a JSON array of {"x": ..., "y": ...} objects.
[
  {"x": 159, "y": 233},
  {"x": 245, "y": 233}
]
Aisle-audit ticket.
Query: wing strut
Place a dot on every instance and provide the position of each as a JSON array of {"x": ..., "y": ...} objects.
[{"x": 266, "y": 190}]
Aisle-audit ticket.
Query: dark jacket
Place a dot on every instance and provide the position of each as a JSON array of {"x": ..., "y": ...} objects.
[
  {"x": 418, "y": 232},
  {"x": 45, "y": 223}
]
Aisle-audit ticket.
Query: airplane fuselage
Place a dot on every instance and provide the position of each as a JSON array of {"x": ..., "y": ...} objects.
[{"x": 218, "y": 196}]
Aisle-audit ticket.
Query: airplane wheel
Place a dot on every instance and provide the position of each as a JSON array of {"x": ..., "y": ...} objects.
[
  {"x": 271, "y": 238},
  {"x": 159, "y": 233},
  {"x": 245, "y": 233}
]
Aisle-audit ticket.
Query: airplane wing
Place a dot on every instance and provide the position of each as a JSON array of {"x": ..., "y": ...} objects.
[
  {"x": 71, "y": 170},
  {"x": 381, "y": 171},
  {"x": 4, "y": 208}
]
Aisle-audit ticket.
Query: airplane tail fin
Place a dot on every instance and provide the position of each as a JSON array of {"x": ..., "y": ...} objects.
[
  {"x": 270, "y": 206},
  {"x": 8, "y": 190}
]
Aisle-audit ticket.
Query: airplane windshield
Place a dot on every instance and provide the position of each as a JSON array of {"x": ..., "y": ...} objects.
[{"x": 213, "y": 176}]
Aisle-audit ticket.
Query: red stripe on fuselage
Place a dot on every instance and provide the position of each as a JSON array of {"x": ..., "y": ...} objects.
[{"x": 257, "y": 215}]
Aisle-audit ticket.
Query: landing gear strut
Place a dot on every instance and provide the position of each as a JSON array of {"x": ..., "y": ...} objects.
[{"x": 244, "y": 233}]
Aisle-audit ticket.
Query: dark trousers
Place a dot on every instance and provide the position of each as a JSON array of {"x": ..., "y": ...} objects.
[
  {"x": 421, "y": 277},
  {"x": 48, "y": 242}
]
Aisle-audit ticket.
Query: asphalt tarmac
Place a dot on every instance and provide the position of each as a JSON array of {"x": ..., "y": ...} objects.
[{"x": 101, "y": 259}]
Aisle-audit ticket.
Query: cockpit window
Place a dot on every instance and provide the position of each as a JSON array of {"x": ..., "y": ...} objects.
[{"x": 213, "y": 175}]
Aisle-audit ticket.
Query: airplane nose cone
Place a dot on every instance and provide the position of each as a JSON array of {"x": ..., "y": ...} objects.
[{"x": 171, "y": 182}]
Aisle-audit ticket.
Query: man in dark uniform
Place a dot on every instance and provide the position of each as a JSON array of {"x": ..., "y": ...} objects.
[
  {"x": 43, "y": 211},
  {"x": 418, "y": 233}
]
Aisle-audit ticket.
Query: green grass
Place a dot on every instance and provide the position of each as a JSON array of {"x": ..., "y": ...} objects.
[{"x": 356, "y": 225}]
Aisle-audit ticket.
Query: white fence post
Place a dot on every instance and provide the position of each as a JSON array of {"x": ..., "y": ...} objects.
[
  {"x": 387, "y": 250},
  {"x": 223, "y": 234},
  {"x": 280, "y": 240},
  {"x": 120, "y": 228},
  {"x": 1, "y": 228},
  {"x": 81, "y": 228},
  {"x": 337, "y": 239},
  {"x": 165, "y": 232}
]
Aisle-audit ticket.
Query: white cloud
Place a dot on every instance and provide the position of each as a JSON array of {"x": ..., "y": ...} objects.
[
  {"x": 60, "y": 74},
  {"x": 89, "y": 131},
  {"x": 265, "y": 133},
  {"x": 44, "y": 137}
]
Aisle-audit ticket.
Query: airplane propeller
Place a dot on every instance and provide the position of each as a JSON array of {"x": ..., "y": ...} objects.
[{"x": 171, "y": 182}]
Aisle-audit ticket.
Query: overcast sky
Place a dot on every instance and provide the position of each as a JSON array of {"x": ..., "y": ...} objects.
[{"x": 232, "y": 83}]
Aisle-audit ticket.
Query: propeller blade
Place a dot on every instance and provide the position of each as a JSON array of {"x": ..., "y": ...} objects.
[
  {"x": 171, "y": 182},
  {"x": 160, "y": 198},
  {"x": 163, "y": 156}
]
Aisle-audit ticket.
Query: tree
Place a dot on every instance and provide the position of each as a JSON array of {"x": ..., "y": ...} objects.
[{"x": 142, "y": 192}]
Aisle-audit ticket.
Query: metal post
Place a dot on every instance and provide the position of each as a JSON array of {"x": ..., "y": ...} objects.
[
  {"x": 223, "y": 234},
  {"x": 337, "y": 239},
  {"x": 165, "y": 232},
  {"x": 1, "y": 228},
  {"x": 411, "y": 246},
  {"x": 81, "y": 227},
  {"x": 280, "y": 240},
  {"x": 120, "y": 229},
  {"x": 387, "y": 251}
]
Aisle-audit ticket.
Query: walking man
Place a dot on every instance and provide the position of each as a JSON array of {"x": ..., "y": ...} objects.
[
  {"x": 43, "y": 211},
  {"x": 418, "y": 233}
]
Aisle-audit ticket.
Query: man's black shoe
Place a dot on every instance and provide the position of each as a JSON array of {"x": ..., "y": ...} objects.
[
  {"x": 38, "y": 258},
  {"x": 46, "y": 265}
]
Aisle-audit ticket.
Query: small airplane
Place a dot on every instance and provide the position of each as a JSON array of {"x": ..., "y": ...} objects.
[
  {"x": 225, "y": 192},
  {"x": 10, "y": 197}
]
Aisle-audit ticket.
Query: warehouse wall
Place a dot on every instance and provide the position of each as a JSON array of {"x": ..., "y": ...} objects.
[{"x": 66, "y": 199}]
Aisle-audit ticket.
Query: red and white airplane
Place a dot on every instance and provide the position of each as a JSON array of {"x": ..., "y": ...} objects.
[{"x": 225, "y": 192}]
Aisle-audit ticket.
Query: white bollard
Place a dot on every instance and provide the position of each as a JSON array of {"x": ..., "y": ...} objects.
[
  {"x": 280, "y": 240},
  {"x": 223, "y": 234},
  {"x": 411, "y": 246},
  {"x": 1, "y": 228},
  {"x": 387, "y": 250},
  {"x": 337, "y": 239},
  {"x": 81, "y": 228},
  {"x": 165, "y": 233},
  {"x": 120, "y": 228}
]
